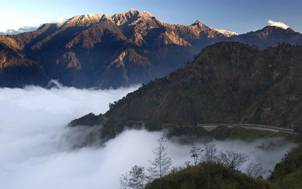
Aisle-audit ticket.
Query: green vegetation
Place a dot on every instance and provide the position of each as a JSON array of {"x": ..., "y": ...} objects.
[
  {"x": 189, "y": 134},
  {"x": 208, "y": 169},
  {"x": 212, "y": 169},
  {"x": 209, "y": 176},
  {"x": 226, "y": 83},
  {"x": 288, "y": 173}
]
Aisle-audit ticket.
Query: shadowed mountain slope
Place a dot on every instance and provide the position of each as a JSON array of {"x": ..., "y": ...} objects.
[{"x": 226, "y": 83}]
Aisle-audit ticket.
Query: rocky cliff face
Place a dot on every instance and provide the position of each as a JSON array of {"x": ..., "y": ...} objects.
[
  {"x": 226, "y": 83},
  {"x": 112, "y": 51},
  {"x": 16, "y": 70}
]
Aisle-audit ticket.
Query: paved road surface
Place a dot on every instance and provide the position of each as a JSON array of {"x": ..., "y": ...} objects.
[{"x": 249, "y": 126}]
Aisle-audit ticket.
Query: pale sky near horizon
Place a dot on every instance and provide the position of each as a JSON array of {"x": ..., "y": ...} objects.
[{"x": 236, "y": 15}]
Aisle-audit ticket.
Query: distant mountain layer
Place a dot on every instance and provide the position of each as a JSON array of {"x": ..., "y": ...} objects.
[
  {"x": 18, "y": 31},
  {"x": 268, "y": 36},
  {"x": 226, "y": 83},
  {"x": 112, "y": 51}
]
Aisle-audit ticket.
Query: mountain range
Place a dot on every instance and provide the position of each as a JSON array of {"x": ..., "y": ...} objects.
[
  {"x": 228, "y": 82},
  {"x": 104, "y": 51}
]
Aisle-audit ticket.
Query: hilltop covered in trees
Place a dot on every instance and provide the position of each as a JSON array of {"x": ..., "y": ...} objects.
[{"x": 226, "y": 83}]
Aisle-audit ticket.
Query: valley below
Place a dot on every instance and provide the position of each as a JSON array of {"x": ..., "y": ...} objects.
[{"x": 38, "y": 150}]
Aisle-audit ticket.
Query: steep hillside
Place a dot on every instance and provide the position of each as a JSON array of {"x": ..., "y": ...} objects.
[
  {"x": 16, "y": 70},
  {"x": 226, "y": 83}
]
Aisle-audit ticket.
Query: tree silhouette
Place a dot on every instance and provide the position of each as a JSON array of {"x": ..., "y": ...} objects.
[
  {"x": 195, "y": 153},
  {"x": 135, "y": 179},
  {"x": 162, "y": 162}
]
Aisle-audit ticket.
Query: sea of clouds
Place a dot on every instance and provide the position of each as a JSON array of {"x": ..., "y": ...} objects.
[{"x": 35, "y": 152}]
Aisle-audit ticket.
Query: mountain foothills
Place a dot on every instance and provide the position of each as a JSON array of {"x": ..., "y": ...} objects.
[
  {"x": 228, "y": 82},
  {"x": 112, "y": 51}
]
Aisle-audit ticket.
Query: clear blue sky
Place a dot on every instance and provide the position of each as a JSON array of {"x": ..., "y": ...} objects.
[{"x": 236, "y": 15}]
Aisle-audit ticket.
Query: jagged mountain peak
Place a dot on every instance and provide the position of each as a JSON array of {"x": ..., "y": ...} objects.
[
  {"x": 132, "y": 12},
  {"x": 130, "y": 16},
  {"x": 78, "y": 51},
  {"x": 118, "y": 18},
  {"x": 197, "y": 23},
  {"x": 85, "y": 20},
  {"x": 145, "y": 14},
  {"x": 136, "y": 13}
]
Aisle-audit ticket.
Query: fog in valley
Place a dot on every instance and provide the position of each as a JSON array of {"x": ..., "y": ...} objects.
[{"x": 36, "y": 148}]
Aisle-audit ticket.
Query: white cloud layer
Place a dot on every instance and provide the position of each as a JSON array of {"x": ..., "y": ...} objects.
[
  {"x": 277, "y": 24},
  {"x": 35, "y": 153}
]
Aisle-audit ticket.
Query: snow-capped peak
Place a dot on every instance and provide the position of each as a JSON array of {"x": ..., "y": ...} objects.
[
  {"x": 83, "y": 19},
  {"x": 130, "y": 16},
  {"x": 278, "y": 24},
  {"x": 226, "y": 32},
  {"x": 197, "y": 22},
  {"x": 118, "y": 18},
  {"x": 133, "y": 11}
]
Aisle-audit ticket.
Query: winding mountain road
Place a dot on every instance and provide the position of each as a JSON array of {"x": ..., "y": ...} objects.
[{"x": 212, "y": 126}]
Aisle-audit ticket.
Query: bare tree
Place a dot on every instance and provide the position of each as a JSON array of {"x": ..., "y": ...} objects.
[
  {"x": 162, "y": 162},
  {"x": 232, "y": 160},
  {"x": 135, "y": 179},
  {"x": 255, "y": 170},
  {"x": 209, "y": 152},
  {"x": 195, "y": 153}
]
